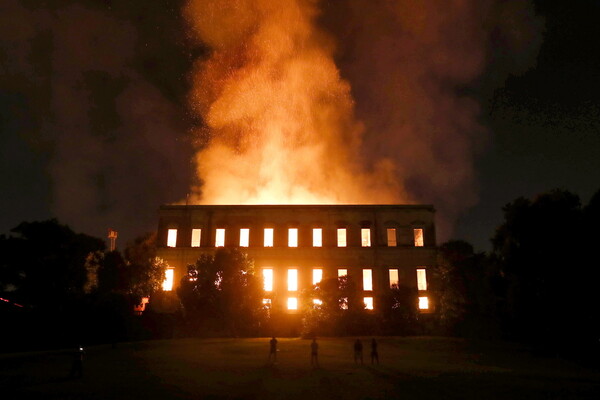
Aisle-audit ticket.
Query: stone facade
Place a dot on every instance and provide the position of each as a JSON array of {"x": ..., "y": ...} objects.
[{"x": 379, "y": 238}]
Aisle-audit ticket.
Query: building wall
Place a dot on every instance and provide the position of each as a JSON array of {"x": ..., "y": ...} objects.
[{"x": 405, "y": 256}]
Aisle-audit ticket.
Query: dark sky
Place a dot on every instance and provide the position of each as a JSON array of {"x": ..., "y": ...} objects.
[{"x": 94, "y": 125}]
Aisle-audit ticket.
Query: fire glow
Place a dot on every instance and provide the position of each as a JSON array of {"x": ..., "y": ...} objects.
[{"x": 280, "y": 125}]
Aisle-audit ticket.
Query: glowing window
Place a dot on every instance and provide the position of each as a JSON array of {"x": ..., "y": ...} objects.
[
  {"x": 342, "y": 272},
  {"x": 421, "y": 279},
  {"x": 268, "y": 237},
  {"x": 267, "y": 279},
  {"x": 365, "y": 237},
  {"x": 344, "y": 303},
  {"x": 220, "y": 238},
  {"x": 266, "y": 303},
  {"x": 293, "y": 237},
  {"x": 423, "y": 303},
  {"x": 196, "y": 237},
  {"x": 317, "y": 275},
  {"x": 172, "y": 238},
  {"x": 317, "y": 237},
  {"x": 368, "y": 303},
  {"x": 317, "y": 302},
  {"x": 292, "y": 303},
  {"x": 244, "y": 237},
  {"x": 341, "y": 236},
  {"x": 418, "y": 237},
  {"x": 169, "y": 278},
  {"x": 391, "y": 237},
  {"x": 393, "y": 277},
  {"x": 367, "y": 279},
  {"x": 292, "y": 280}
]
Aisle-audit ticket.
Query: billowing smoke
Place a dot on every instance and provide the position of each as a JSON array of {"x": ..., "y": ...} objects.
[{"x": 281, "y": 125}]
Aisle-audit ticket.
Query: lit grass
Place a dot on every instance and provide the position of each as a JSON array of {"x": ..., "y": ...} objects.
[{"x": 411, "y": 368}]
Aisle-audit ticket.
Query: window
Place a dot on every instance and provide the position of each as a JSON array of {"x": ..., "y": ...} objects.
[
  {"x": 169, "y": 278},
  {"x": 317, "y": 237},
  {"x": 292, "y": 303},
  {"x": 365, "y": 237},
  {"x": 268, "y": 237},
  {"x": 342, "y": 272},
  {"x": 368, "y": 303},
  {"x": 196, "y": 237},
  {"x": 391, "y": 237},
  {"x": 266, "y": 303},
  {"x": 220, "y": 238},
  {"x": 367, "y": 279},
  {"x": 317, "y": 302},
  {"x": 317, "y": 275},
  {"x": 418, "y": 237},
  {"x": 341, "y": 237},
  {"x": 172, "y": 238},
  {"x": 421, "y": 279},
  {"x": 244, "y": 237},
  {"x": 293, "y": 237},
  {"x": 423, "y": 303},
  {"x": 292, "y": 280},
  {"x": 393, "y": 277},
  {"x": 267, "y": 279}
]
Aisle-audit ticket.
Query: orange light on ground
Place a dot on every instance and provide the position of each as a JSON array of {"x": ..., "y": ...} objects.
[
  {"x": 292, "y": 280},
  {"x": 393, "y": 277},
  {"x": 268, "y": 242},
  {"x": 220, "y": 238},
  {"x": 423, "y": 303},
  {"x": 367, "y": 279},
  {"x": 169, "y": 278},
  {"x": 267, "y": 279},
  {"x": 196, "y": 237},
  {"x": 365, "y": 237},
  {"x": 368, "y": 303},
  {"x": 317, "y": 275},
  {"x": 317, "y": 237},
  {"x": 292, "y": 303},
  {"x": 391, "y": 237},
  {"x": 341, "y": 237},
  {"x": 244, "y": 237},
  {"x": 172, "y": 238},
  {"x": 293, "y": 237},
  {"x": 418, "y": 233},
  {"x": 421, "y": 279}
]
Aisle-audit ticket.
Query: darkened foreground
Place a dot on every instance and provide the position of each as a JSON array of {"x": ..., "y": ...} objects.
[{"x": 410, "y": 368}]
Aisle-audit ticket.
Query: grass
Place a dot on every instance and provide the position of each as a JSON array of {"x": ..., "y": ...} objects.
[{"x": 410, "y": 368}]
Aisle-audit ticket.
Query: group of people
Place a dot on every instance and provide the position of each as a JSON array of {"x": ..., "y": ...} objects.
[{"x": 314, "y": 352}]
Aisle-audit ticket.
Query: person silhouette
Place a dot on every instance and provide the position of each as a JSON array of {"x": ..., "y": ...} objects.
[
  {"x": 77, "y": 364},
  {"x": 374, "y": 353},
  {"x": 273, "y": 349},
  {"x": 358, "y": 352},
  {"x": 314, "y": 353}
]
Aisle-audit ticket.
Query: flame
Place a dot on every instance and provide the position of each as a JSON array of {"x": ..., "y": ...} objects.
[{"x": 279, "y": 120}]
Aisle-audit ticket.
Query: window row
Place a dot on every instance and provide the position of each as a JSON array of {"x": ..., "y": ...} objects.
[
  {"x": 317, "y": 276},
  {"x": 292, "y": 237},
  {"x": 292, "y": 303}
]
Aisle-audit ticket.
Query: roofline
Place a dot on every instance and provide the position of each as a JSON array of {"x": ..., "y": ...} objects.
[{"x": 307, "y": 206}]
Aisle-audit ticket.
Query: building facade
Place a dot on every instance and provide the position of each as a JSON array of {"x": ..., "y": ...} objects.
[{"x": 295, "y": 246}]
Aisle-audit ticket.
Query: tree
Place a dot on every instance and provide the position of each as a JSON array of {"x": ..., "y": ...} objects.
[{"x": 222, "y": 293}]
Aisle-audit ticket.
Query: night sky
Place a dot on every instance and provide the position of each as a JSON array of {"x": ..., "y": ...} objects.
[{"x": 95, "y": 127}]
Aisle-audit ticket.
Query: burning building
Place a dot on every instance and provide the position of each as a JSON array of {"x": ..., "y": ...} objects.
[{"x": 296, "y": 246}]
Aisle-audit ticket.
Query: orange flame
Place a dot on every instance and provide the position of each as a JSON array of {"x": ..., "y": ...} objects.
[{"x": 280, "y": 125}]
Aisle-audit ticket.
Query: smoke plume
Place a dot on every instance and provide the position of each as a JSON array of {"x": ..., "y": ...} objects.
[{"x": 277, "y": 97}]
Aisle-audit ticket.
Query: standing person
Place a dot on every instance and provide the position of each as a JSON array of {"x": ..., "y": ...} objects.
[
  {"x": 314, "y": 353},
  {"x": 273, "y": 349},
  {"x": 77, "y": 365},
  {"x": 374, "y": 353},
  {"x": 358, "y": 352}
]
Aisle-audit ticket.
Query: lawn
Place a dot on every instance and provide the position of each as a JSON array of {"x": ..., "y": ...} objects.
[{"x": 410, "y": 368}]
